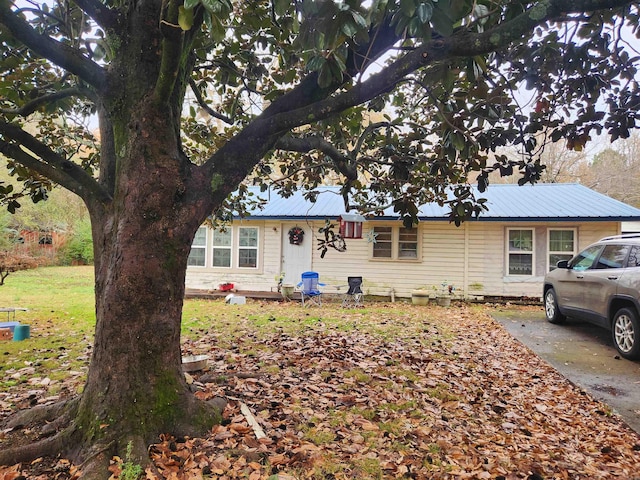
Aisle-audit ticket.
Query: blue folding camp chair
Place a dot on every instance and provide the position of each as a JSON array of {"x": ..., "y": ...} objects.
[
  {"x": 310, "y": 289},
  {"x": 354, "y": 296}
]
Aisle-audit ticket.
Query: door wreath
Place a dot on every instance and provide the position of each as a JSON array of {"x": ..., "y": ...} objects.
[{"x": 296, "y": 235}]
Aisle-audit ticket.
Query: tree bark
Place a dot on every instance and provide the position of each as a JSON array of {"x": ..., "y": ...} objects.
[{"x": 135, "y": 388}]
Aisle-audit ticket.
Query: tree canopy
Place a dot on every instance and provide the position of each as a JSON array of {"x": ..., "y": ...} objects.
[
  {"x": 197, "y": 98},
  {"x": 454, "y": 81}
]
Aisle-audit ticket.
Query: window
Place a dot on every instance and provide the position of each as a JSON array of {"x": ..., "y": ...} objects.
[
  {"x": 383, "y": 242},
  {"x": 634, "y": 257},
  {"x": 520, "y": 250},
  {"x": 222, "y": 248},
  {"x": 613, "y": 256},
  {"x": 408, "y": 243},
  {"x": 562, "y": 244},
  {"x": 233, "y": 249},
  {"x": 395, "y": 243},
  {"x": 585, "y": 259},
  {"x": 248, "y": 247},
  {"x": 198, "y": 249}
]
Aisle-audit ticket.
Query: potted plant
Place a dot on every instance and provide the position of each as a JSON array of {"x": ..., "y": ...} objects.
[
  {"x": 420, "y": 296},
  {"x": 443, "y": 298}
]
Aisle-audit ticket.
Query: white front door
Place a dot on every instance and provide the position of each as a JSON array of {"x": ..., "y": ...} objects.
[{"x": 296, "y": 258}]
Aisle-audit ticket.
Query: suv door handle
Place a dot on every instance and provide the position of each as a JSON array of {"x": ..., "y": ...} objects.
[
  {"x": 612, "y": 277},
  {"x": 579, "y": 276}
]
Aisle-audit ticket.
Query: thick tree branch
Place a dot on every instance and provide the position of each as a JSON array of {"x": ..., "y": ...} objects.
[
  {"x": 30, "y": 107},
  {"x": 307, "y": 92},
  {"x": 468, "y": 44},
  {"x": 60, "y": 54},
  {"x": 463, "y": 44},
  {"x": 53, "y": 166},
  {"x": 99, "y": 12}
]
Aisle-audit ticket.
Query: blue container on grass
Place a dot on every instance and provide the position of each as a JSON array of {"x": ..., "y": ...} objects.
[
  {"x": 21, "y": 332},
  {"x": 9, "y": 325}
]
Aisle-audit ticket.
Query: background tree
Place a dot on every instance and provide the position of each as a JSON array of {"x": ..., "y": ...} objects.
[
  {"x": 11, "y": 258},
  {"x": 62, "y": 213},
  {"x": 285, "y": 80},
  {"x": 613, "y": 171},
  {"x": 14, "y": 261}
]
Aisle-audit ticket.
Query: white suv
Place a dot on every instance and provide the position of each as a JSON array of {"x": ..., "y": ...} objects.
[{"x": 601, "y": 285}]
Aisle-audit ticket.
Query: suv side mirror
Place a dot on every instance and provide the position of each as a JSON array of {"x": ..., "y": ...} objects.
[{"x": 563, "y": 264}]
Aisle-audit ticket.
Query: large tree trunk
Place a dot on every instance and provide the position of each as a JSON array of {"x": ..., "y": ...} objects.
[
  {"x": 136, "y": 389},
  {"x": 142, "y": 235}
]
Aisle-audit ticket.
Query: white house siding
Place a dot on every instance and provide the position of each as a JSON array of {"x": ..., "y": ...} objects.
[
  {"x": 262, "y": 278},
  {"x": 472, "y": 258},
  {"x": 442, "y": 252},
  {"x": 487, "y": 264}
]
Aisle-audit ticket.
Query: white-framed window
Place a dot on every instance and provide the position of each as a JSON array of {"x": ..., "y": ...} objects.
[
  {"x": 383, "y": 242},
  {"x": 234, "y": 248},
  {"x": 395, "y": 243},
  {"x": 248, "y": 247},
  {"x": 520, "y": 251},
  {"x": 221, "y": 252},
  {"x": 408, "y": 243},
  {"x": 561, "y": 246},
  {"x": 198, "y": 254}
]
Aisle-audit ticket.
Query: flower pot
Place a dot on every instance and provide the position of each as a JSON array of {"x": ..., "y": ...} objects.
[
  {"x": 420, "y": 297},
  {"x": 443, "y": 301},
  {"x": 287, "y": 291}
]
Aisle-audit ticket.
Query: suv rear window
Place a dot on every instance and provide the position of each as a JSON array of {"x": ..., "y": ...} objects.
[{"x": 634, "y": 257}]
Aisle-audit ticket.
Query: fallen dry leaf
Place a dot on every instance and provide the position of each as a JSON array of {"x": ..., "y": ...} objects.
[{"x": 390, "y": 391}]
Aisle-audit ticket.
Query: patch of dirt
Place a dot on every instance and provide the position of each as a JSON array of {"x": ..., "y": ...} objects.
[
  {"x": 417, "y": 392},
  {"x": 616, "y": 392}
]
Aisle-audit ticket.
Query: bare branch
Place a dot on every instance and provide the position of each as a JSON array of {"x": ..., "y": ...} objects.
[
  {"x": 30, "y": 107},
  {"x": 60, "y": 54},
  {"x": 48, "y": 163},
  {"x": 343, "y": 163},
  {"x": 99, "y": 12},
  {"x": 370, "y": 128},
  {"x": 205, "y": 107}
]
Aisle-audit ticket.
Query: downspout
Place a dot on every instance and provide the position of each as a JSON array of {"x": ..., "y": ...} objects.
[{"x": 465, "y": 272}]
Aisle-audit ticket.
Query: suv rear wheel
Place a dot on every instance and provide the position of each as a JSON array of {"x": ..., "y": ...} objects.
[
  {"x": 626, "y": 333},
  {"x": 551, "y": 309}
]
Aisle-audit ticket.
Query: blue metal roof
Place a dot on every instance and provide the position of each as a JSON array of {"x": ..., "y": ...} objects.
[{"x": 506, "y": 202}]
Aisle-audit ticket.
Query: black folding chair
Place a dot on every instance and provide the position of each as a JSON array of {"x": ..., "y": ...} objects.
[{"x": 354, "y": 296}]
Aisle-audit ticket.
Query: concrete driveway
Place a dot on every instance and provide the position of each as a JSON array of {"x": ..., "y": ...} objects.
[{"x": 584, "y": 354}]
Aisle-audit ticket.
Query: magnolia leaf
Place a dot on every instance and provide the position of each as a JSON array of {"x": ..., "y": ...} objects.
[
  {"x": 424, "y": 11},
  {"x": 185, "y": 18},
  {"x": 190, "y": 4}
]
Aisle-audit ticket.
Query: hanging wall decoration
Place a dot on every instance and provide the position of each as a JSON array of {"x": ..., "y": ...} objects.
[{"x": 296, "y": 235}]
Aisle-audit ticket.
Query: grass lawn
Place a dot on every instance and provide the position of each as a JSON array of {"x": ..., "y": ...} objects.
[{"x": 391, "y": 390}]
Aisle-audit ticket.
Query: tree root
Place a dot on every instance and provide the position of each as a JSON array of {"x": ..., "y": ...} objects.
[
  {"x": 47, "y": 419},
  {"x": 57, "y": 413},
  {"x": 67, "y": 439},
  {"x": 48, "y": 447}
]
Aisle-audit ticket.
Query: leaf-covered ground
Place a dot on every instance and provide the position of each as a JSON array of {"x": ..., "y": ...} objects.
[{"x": 388, "y": 391}]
